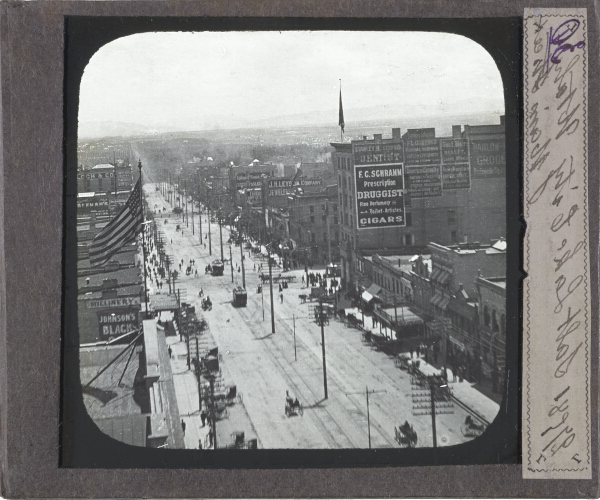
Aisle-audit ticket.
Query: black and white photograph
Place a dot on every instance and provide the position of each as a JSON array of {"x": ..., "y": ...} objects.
[{"x": 292, "y": 240}]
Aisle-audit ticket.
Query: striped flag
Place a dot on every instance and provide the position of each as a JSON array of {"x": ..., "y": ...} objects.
[{"x": 119, "y": 231}]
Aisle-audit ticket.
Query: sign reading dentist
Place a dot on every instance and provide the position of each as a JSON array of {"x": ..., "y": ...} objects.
[{"x": 379, "y": 193}]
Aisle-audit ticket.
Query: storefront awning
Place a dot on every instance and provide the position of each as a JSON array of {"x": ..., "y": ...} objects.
[
  {"x": 366, "y": 296},
  {"x": 444, "y": 277},
  {"x": 444, "y": 304},
  {"x": 374, "y": 289},
  {"x": 436, "y": 299}
]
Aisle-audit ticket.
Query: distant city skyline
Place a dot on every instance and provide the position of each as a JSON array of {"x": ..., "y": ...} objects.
[{"x": 211, "y": 80}]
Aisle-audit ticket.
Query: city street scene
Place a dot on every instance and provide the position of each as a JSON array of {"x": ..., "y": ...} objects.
[{"x": 292, "y": 240}]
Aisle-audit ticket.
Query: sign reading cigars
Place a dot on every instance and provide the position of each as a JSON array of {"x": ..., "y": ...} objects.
[{"x": 379, "y": 177}]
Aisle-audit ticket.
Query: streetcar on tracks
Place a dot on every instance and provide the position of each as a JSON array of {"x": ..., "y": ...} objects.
[{"x": 240, "y": 297}]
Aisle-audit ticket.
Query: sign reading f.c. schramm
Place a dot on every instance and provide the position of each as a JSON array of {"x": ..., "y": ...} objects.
[{"x": 379, "y": 177}]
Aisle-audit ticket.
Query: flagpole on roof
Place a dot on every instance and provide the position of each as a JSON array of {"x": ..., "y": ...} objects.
[
  {"x": 341, "y": 119},
  {"x": 143, "y": 243}
]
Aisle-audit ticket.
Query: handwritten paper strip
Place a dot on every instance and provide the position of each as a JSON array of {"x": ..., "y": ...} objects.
[{"x": 556, "y": 309}]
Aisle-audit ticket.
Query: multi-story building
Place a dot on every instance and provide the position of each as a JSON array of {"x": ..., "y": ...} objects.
[
  {"x": 103, "y": 178},
  {"x": 314, "y": 225},
  {"x": 492, "y": 326},
  {"x": 452, "y": 190},
  {"x": 455, "y": 297}
]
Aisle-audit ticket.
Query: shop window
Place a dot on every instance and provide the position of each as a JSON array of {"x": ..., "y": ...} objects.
[{"x": 408, "y": 240}]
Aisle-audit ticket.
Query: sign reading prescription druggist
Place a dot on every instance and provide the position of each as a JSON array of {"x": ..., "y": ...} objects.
[
  {"x": 379, "y": 176},
  {"x": 379, "y": 196}
]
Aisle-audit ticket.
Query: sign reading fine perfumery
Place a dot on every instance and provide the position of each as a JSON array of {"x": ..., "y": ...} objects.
[{"x": 379, "y": 195}]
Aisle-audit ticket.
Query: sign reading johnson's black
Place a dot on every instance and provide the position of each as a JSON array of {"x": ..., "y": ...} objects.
[{"x": 379, "y": 195}]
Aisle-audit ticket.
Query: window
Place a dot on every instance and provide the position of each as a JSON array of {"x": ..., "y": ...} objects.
[
  {"x": 335, "y": 220},
  {"x": 408, "y": 219},
  {"x": 311, "y": 209},
  {"x": 495, "y": 326},
  {"x": 335, "y": 207},
  {"x": 337, "y": 236},
  {"x": 453, "y": 237},
  {"x": 486, "y": 315},
  {"x": 313, "y": 238},
  {"x": 312, "y": 218},
  {"x": 408, "y": 240},
  {"x": 451, "y": 217},
  {"x": 503, "y": 324}
]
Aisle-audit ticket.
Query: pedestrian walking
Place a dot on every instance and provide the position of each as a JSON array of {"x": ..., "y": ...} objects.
[
  {"x": 170, "y": 352},
  {"x": 183, "y": 426},
  {"x": 281, "y": 297},
  {"x": 203, "y": 416},
  {"x": 199, "y": 444}
]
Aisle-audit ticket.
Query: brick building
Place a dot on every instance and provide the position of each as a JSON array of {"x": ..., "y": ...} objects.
[{"x": 454, "y": 190}]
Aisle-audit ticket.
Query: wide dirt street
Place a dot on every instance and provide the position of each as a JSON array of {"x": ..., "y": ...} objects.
[{"x": 264, "y": 365}]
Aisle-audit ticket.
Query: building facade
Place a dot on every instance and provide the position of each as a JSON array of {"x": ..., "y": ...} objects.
[{"x": 454, "y": 190}]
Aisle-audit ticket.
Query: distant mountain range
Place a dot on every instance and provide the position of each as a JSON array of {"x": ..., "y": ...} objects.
[
  {"x": 467, "y": 111},
  {"x": 98, "y": 130}
]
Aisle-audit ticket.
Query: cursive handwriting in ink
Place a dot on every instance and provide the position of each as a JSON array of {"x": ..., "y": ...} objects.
[{"x": 557, "y": 39}]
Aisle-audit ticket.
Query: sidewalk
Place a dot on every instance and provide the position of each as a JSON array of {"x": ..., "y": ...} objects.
[{"x": 466, "y": 393}]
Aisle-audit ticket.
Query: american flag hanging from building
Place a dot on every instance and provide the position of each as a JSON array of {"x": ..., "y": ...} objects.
[{"x": 119, "y": 231}]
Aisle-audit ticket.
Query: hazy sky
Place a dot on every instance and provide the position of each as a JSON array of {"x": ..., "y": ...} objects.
[{"x": 193, "y": 80}]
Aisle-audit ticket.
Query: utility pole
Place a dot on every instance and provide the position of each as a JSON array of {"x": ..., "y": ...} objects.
[
  {"x": 185, "y": 198},
  {"x": 262, "y": 299},
  {"x": 271, "y": 288},
  {"x": 199, "y": 208},
  {"x": 368, "y": 416},
  {"x": 143, "y": 244},
  {"x": 193, "y": 230},
  {"x": 209, "y": 232},
  {"x": 213, "y": 420},
  {"x": 243, "y": 270},
  {"x": 328, "y": 235},
  {"x": 231, "y": 262},
  {"x": 432, "y": 390},
  {"x": 199, "y": 384},
  {"x": 221, "y": 236},
  {"x": 321, "y": 317},
  {"x": 294, "y": 320}
]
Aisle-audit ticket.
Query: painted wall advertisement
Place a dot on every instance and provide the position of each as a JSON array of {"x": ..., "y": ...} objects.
[
  {"x": 283, "y": 186},
  {"x": 488, "y": 158},
  {"x": 379, "y": 178},
  {"x": 116, "y": 322}
]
